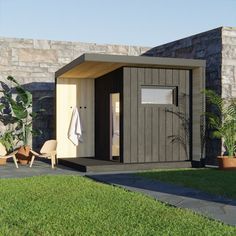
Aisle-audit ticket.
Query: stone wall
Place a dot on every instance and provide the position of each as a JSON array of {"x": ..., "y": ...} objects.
[
  {"x": 34, "y": 62},
  {"x": 228, "y": 61},
  {"x": 207, "y": 46}
]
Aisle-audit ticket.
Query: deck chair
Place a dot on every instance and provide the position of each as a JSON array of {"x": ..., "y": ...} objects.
[
  {"x": 47, "y": 151},
  {"x": 3, "y": 154}
]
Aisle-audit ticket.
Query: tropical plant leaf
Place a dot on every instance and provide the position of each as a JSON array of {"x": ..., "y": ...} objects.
[
  {"x": 36, "y": 132},
  {"x": 19, "y": 110},
  {"x": 33, "y": 114},
  {"x": 7, "y": 139},
  {"x": 223, "y": 121},
  {"x": 11, "y": 78},
  {"x": 6, "y": 88},
  {"x": 24, "y": 96},
  {"x": 2, "y": 107}
]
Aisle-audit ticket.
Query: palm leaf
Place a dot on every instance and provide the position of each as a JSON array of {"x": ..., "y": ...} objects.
[{"x": 24, "y": 96}]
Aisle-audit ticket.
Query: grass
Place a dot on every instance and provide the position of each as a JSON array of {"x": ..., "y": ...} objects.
[
  {"x": 74, "y": 205},
  {"x": 211, "y": 181}
]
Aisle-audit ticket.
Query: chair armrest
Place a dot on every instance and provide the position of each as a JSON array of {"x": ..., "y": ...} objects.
[
  {"x": 49, "y": 153},
  {"x": 34, "y": 153},
  {"x": 11, "y": 154}
]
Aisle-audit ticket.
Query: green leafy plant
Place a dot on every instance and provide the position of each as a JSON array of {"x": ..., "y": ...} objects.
[
  {"x": 7, "y": 139},
  {"x": 18, "y": 103},
  {"x": 223, "y": 120},
  {"x": 183, "y": 139}
]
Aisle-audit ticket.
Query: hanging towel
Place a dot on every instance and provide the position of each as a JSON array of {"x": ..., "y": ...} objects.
[{"x": 75, "y": 129}]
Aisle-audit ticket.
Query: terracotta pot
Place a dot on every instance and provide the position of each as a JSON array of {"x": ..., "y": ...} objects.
[
  {"x": 3, "y": 161},
  {"x": 227, "y": 162},
  {"x": 23, "y": 155}
]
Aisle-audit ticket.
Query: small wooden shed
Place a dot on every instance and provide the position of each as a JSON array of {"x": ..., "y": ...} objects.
[{"x": 133, "y": 109}]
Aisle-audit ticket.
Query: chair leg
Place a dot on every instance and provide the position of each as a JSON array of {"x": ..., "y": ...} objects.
[
  {"x": 56, "y": 160},
  {"x": 15, "y": 161},
  {"x": 52, "y": 161},
  {"x": 32, "y": 160}
]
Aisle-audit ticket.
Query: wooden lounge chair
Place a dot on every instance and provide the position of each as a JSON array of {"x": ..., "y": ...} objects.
[
  {"x": 48, "y": 151},
  {"x": 3, "y": 154}
]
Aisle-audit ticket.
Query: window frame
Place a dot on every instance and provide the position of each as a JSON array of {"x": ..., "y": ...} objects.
[{"x": 151, "y": 86}]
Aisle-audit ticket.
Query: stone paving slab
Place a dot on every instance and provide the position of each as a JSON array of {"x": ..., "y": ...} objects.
[
  {"x": 216, "y": 207},
  {"x": 39, "y": 168}
]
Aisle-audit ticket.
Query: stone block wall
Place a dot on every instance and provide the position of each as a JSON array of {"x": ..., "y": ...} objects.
[
  {"x": 228, "y": 70},
  {"x": 220, "y": 72},
  {"x": 206, "y": 46},
  {"x": 34, "y": 62}
]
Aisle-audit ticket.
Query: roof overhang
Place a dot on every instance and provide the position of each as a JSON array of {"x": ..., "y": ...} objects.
[{"x": 95, "y": 65}]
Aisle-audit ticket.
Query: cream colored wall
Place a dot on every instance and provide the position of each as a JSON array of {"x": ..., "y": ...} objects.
[{"x": 75, "y": 93}]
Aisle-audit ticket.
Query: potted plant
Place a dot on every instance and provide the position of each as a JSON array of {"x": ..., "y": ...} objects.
[
  {"x": 223, "y": 123},
  {"x": 21, "y": 114}
]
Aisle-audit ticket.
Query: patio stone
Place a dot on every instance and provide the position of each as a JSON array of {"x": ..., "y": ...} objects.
[{"x": 39, "y": 168}]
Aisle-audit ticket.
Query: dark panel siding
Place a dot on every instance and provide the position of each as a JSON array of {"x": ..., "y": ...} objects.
[
  {"x": 141, "y": 119},
  {"x": 147, "y": 128},
  {"x": 126, "y": 119},
  {"x": 134, "y": 114},
  {"x": 104, "y": 86}
]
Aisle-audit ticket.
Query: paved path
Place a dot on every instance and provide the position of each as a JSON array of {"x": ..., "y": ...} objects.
[
  {"x": 39, "y": 168},
  {"x": 215, "y": 207}
]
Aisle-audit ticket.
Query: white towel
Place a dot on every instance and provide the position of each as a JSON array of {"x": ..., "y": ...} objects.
[{"x": 75, "y": 129}]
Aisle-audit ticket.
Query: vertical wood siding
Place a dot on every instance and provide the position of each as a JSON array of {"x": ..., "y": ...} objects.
[
  {"x": 147, "y": 128},
  {"x": 73, "y": 93}
]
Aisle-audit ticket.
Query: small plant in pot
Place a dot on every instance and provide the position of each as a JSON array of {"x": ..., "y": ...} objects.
[
  {"x": 223, "y": 123},
  {"x": 19, "y": 100}
]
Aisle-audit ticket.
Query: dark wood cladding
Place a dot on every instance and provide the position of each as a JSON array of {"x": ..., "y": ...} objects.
[
  {"x": 148, "y": 128},
  {"x": 104, "y": 86}
]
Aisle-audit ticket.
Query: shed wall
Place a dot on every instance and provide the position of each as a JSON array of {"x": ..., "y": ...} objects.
[
  {"x": 73, "y": 93},
  {"x": 148, "y": 128}
]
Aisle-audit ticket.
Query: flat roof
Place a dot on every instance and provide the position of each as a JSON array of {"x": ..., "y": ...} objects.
[{"x": 90, "y": 65}]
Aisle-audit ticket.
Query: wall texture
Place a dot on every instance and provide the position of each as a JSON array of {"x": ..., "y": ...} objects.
[
  {"x": 206, "y": 46},
  {"x": 149, "y": 129},
  {"x": 228, "y": 68},
  {"x": 34, "y": 62},
  {"x": 218, "y": 48}
]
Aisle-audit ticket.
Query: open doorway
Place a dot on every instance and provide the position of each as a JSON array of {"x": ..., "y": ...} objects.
[{"x": 115, "y": 126}]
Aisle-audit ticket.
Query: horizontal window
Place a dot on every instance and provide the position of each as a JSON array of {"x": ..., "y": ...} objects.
[{"x": 158, "y": 95}]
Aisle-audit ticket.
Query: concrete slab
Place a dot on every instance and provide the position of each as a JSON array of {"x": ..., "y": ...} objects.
[
  {"x": 216, "y": 207},
  {"x": 39, "y": 168}
]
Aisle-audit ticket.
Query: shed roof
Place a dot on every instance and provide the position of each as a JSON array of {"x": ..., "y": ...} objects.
[{"x": 95, "y": 65}]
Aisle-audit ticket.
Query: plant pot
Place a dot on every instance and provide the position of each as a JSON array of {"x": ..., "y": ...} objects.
[
  {"x": 3, "y": 161},
  {"x": 23, "y": 155},
  {"x": 227, "y": 162}
]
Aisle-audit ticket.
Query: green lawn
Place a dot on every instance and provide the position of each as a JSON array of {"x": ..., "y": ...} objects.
[
  {"x": 208, "y": 180},
  {"x": 74, "y": 205}
]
